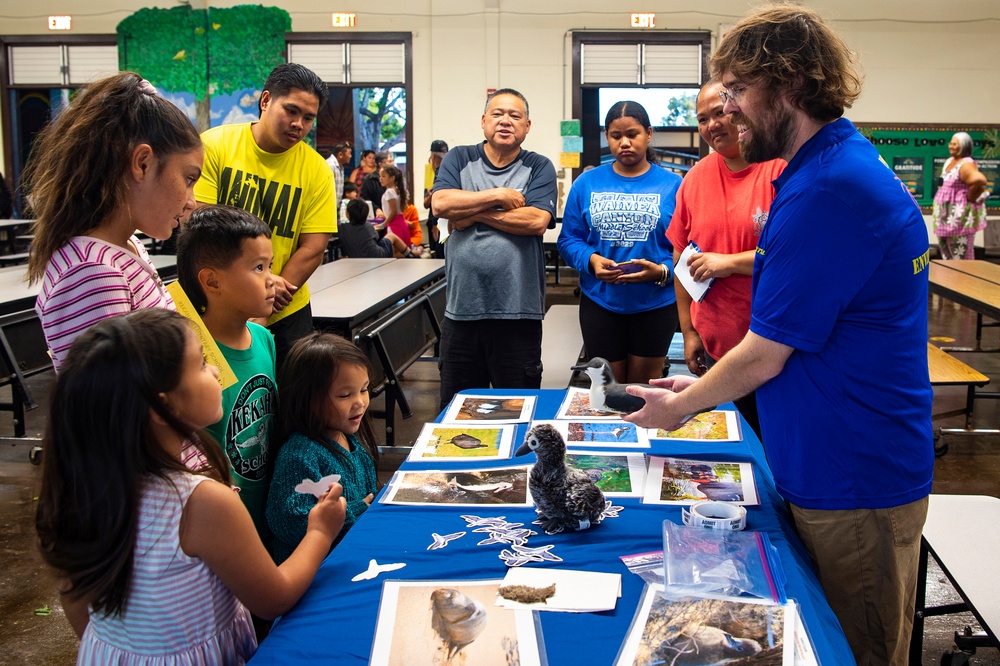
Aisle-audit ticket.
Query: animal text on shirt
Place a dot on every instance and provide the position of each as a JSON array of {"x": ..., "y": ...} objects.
[{"x": 277, "y": 204}]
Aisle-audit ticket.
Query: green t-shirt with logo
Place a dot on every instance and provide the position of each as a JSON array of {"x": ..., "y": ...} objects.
[{"x": 248, "y": 408}]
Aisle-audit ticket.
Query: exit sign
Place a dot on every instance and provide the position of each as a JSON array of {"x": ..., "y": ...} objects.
[
  {"x": 643, "y": 20},
  {"x": 344, "y": 20},
  {"x": 60, "y": 22}
]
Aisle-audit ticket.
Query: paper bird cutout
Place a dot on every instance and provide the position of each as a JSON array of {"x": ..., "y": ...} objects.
[
  {"x": 611, "y": 511},
  {"x": 374, "y": 569},
  {"x": 442, "y": 541},
  {"x": 317, "y": 488}
]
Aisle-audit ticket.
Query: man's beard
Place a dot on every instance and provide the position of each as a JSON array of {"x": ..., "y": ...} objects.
[{"x": 770, "y": 138}]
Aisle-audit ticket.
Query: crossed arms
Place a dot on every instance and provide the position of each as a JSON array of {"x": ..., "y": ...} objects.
[{"x": 502, "y": 208}]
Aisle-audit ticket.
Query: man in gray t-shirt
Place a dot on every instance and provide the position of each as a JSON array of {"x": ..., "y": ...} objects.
[{"x": 498, "y": 200}]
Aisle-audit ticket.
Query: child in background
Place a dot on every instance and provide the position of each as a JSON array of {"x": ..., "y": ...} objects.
[
  {"x": 361, "y": 240},
  {"x": 394, "y": 201},
  {"x": 136, "y": 587},
  {"x": 224, "y": 266},
  {"x": 119, "y": 158},
  {"x": 412, "y": 217},
  {"x": 350, "y": 192},
  {"x": 321, "y": 420}
]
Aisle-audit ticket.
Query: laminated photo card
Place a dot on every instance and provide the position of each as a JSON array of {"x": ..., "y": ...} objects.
[
  {"x": 576, "y": 405},
  {"x": 616, "y": 473},
  {"x": 718, "y": 425},
  {"x": 460, "y": 487},
  {"x": 680, "y": 481},
  {"x": 452, "y": 622},
  {"x": 484, "y": 409},
  {"x": 708, "y": 631},
  {"x": 604, "y": 434},
  {"x": 463, "y": 441}
]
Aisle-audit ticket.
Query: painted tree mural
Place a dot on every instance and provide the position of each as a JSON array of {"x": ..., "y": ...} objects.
[{"x": 204, "y": 51}]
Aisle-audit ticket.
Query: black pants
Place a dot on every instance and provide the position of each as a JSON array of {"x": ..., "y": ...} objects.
[
  {"x": 497, "y": 353},
  {"x": 747, "y": 405},
  {"x": 286, "y": 331}
]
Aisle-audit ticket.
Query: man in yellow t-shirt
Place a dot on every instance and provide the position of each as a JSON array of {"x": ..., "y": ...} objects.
[{"x": 264, "y": 168}]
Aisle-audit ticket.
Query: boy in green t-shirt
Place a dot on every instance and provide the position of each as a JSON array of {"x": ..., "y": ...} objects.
[{"x": 224, "y": 266}]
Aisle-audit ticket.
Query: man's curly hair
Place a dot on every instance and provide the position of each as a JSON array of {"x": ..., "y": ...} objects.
[{"x": 791, "y": 50}]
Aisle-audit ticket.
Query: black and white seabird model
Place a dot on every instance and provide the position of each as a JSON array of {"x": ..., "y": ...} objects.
[{"x": 606, "y": 394}]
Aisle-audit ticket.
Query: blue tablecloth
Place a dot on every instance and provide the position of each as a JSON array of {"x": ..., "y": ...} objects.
[{"x": 335, "y": 620}]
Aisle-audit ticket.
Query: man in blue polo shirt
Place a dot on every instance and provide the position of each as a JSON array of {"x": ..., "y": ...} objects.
[{"x": 837, "y": 342}]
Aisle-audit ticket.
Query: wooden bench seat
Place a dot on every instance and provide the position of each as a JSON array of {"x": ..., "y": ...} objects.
[
  {"x": 946, "y": 370},
  {"x": 562, "y": 343}
]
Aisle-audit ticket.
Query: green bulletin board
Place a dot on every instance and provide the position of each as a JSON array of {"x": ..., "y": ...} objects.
[{"x": 918, "y": 152}]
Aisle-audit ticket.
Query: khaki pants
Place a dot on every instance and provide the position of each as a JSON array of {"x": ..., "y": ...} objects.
[{"x": 867, "y": 563}]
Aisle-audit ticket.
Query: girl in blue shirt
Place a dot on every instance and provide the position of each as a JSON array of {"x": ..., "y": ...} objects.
[{"x": 614, "y": 233}]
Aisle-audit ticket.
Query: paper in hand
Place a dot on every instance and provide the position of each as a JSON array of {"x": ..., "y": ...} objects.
[
  {"x": 317, "y": 488},
  {"x": 694, "y": 288}
]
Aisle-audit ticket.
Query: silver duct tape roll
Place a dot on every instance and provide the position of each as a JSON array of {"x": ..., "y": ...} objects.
[{"x": 716, "y": 516}]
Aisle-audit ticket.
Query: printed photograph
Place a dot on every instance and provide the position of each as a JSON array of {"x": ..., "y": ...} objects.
[
  {"x": 451, "y": 623},
  {"x": 718, "y": 426},
  {"x": 604, "y": 434},
  {"x": 705, "y": 631},
  {"x": 501, "y": 486},
  {"x": 679, "y": 481},
  {"x": 616, "y": 474},
  {"x": 576, "y": 405},
  {"x": 450, "y": 441},
  {"x": 490, "y": 409}
]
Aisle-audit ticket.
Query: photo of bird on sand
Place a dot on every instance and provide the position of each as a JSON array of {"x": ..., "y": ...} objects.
[
  {"x": 489, "y": 409},
  {"x": 697, "y": 632},
  {"x": 682, "y": 481},
  {"x": 451, "y": 623},
  {"x": 456, "y": 441},
  {"x": 469, "y": 487}
]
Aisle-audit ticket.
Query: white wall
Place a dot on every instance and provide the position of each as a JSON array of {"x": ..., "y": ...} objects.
[{"x": 921, "y": 70}]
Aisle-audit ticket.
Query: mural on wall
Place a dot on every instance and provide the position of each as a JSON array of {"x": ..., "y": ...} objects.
[{"x": 211, "y": 62}]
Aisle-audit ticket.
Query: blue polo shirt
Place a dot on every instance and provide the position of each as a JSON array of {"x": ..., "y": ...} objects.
[{"x": 841, "y": 276}]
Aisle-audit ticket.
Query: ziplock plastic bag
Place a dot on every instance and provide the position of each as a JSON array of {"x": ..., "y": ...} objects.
[{"x": 718, "y": 563}]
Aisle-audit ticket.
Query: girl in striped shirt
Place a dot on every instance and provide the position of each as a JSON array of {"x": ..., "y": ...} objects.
[
  {"x": 118, "y": 159},
  {"x": 158, "y": 565}
]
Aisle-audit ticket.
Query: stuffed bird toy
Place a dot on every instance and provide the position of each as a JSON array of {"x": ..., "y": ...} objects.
[{"x": 565, "y": 498}]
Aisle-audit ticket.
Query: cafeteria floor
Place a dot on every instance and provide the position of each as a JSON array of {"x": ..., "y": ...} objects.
[{"x": 33, "y": 629}]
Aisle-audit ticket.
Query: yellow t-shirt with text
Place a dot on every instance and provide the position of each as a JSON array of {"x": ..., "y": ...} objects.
[{"x": 292, "y": 192}]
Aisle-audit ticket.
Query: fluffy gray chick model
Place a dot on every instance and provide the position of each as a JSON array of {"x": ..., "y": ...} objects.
[{"x": 565, "y": 498}]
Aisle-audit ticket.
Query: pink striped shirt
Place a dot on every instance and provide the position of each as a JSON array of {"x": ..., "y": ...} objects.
[
  {"x": 88, "y": 280},
  {"x": 178, "y": 612}
]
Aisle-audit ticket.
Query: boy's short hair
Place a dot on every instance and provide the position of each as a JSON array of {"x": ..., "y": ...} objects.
[
  {"x": 213, "y": 238},
  {"x": 357, "y": 212},
  {"x": 349, "y": 186}
]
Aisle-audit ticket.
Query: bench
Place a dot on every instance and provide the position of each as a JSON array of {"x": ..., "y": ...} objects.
[
  {"x": 946, "y": 370},
  {"x": 562, "y": 345},
  {"x": 23, "y": 353},
  {"x": 969, "y": 564},
  {"x": 392, "y": 344}
]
